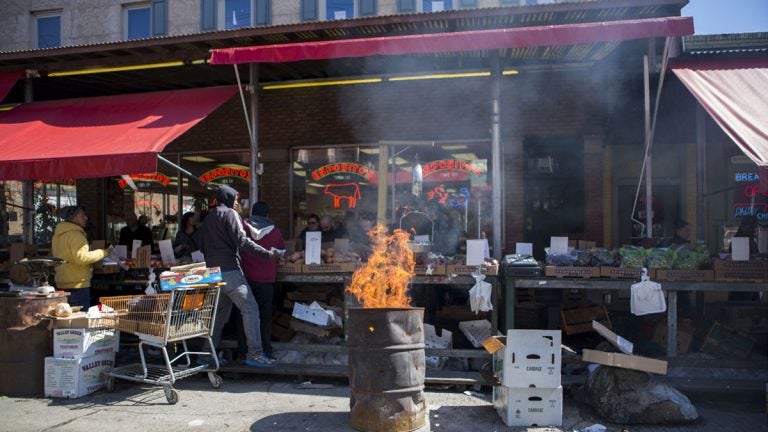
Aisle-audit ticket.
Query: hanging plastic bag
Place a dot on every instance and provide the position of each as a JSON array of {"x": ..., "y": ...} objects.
[
  {"x": 151, "y": 284},
  {"x": 647, "y": 296},
  {"x": 480, "y": 294}
]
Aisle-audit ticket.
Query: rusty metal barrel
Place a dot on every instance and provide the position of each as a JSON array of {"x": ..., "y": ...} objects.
[{"x": 386, "y": 369}]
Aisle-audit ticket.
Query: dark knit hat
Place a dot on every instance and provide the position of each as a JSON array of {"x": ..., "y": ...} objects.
[{"x": 260, "y": 208}]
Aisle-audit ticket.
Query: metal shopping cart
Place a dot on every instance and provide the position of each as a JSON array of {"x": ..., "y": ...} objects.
[{"x": 185, "y": 313}]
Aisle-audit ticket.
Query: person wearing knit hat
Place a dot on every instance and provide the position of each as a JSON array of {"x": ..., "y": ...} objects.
[
  {"x": 71, "y": 245},
  {"x": 223, "y": 241}
]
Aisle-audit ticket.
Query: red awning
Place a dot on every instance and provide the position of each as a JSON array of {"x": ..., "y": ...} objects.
[
  {"x": 100, "y": 136},
  {"x": 519, "y": 37},
  {"x": 735, "y": 94},
  {"x": 7, "y": 81}
]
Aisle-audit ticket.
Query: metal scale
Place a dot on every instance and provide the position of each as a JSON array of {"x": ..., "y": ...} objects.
[{"x": 30, "y": 275}]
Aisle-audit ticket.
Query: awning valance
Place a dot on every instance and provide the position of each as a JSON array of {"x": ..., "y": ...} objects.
[
  {"x": 100, "y": 136},
  {"x": 735, "y": 94},
  {"x": 7, "y": 81},
  {"x": 518, "y": 37}
]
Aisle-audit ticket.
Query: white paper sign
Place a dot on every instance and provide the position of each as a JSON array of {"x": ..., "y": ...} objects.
[
  {"x": 740, "y": 248},
  {"x": 558, "y": 245},
  {"x": 166, "y": 253},
  {"x": 476, "y": 251},
  {"x": 421, "y": 238},
  {"x": 340, "y": 14},
  {"x": 438, "y": 6},
  {"x": 524, "y": 248},
  {"x": 135, "y": 249},
  {"x": 197, "y": 256},
  {"x": 121, "y": 252},
  {"x": 313, "y": 247}
]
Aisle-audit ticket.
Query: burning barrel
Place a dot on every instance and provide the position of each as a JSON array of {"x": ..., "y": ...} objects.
[{"x": 386, "y": 369}]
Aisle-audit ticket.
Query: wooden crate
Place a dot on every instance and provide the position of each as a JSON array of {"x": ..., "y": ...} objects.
[
  {"x": 725, "y": 342},
  {"x": 624, "y": 273},
  {"x": 289, "y": 267},
  {"x": 751, "y": 275},
  {"x": 575, "y": 321},
  {"x": 329, "y": 268},
  {"x": 685, "y": 333},
  {"x": 461, "y": 269},
  {"x": 575, "y": 272},
  {"x": 684, "y": 275},
  {"x": 437, "y": 269}
]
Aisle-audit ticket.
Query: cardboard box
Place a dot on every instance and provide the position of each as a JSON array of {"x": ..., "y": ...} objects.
[
  {"x": 625, "y": 361},
  {"x": 461, "y": 269},
  {"x": 329, "y": 268},
  {"x": 436, "y": 269},
  {"x": 323, "y": 317},
  {"x": 624, "y": 272},
  {"x": 526, "y": 358},
  {"x": 80, "y": 320},
  {"x": 684, "y": 275},
  {"x": 289, "y": 267},
  {"x": 80, "y": 343},
  {"x": 750, "y": 316},
  {"x": 580, "y": 272},
  {"x": 529, "y": 406},
  {"x": 685, "y": 333},
  {"x": 619, "y": 342},
  {"x": 73, "y": 378},
  {"x": 476, "y": 331},
  {"x": 758, "y": 275},
  {"x": 585, "y": 244},
  {"x": 752, "y": 265},
  {"x": 195, "y": 276},
  {"x": 432, "y": 340},
  {"x": 727, "y": 343},
  {"x": 579, "y": 320}
]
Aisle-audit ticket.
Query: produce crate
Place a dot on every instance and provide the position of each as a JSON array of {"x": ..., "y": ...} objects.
[
  {"x": 685, "y": 333},
  {"x": 461, "y": 269},
  {"x": 624, "y": 272},
  {"x": 575, "y": 272},
  {"x": 734, "y": 274},
  {"x": 289, "y": 267},
  {"x": 329, "y": 268},
  {"x": 752, "y": 265},
  {"x": 684, "y": 275},
  {"x": 437, "y": 269},
  {"x": 575, "y": 321},
  {"x": 727, "y": 343}
]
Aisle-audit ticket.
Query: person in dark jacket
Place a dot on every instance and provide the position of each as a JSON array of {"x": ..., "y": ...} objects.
[
  {"x": 135, "y": 230},
  {"x": 188, "y": 238},
  {"x": 261, "y": 273},
  {"x": 222, "y": 241}
]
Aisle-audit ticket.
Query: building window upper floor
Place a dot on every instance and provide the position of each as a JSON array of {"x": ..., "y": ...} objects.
[
  {"x": 47, "y": 29},
  {"x": 232, "y": 14},
  {"x": 145, "y": 19}
]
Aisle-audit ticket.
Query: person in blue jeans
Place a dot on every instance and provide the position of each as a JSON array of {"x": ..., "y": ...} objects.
[{"x": 222, "y": 239}]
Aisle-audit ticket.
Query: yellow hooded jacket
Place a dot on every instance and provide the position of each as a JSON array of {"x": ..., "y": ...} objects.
[{"x": 70, "y": 244}]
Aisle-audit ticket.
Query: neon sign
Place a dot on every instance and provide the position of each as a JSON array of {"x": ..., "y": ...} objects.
[
  {"x": 151, "y": 177},
  {"x": 63, "y": 182},
  {"x": 342, "y": 168},
  {"x": 343, "y": 191},
  {"x": 451, "y": 164},
  {"x": 243, "y": 174},
  {"x": 752, "y": 200}
]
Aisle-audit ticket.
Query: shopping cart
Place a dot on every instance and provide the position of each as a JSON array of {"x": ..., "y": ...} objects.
[{"x": 184, "y": 313}]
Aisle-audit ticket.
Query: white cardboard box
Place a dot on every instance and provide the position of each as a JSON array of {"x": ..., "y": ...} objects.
[
  {"x": 432, "y": 340},
  {"x": 81, "y": 343},
  {"x": 316, "y": 314},
  {"x": 476, "y": 331},
  {"x": 73, "y": 378},
  {"x": 527, "y": 358},
  {"x": 529, "y": 406}
]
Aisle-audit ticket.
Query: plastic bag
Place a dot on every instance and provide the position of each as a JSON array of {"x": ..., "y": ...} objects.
[
  {"x": 647, "y": 297},
  {"x": 480, "y": 295}
]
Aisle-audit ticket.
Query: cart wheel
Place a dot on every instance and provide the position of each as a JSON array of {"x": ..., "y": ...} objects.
[
  {"x": 110, "y": 384},
  {"x": 215, "y": 380},
  {"x": 171, "y": 395}
]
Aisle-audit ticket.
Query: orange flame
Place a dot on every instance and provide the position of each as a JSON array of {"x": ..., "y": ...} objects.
[{"x": 383, "y": 281}]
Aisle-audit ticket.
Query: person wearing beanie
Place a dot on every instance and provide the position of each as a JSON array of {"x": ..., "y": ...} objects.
[
  {"x": 71, "y": 245},
  {"x": 261, "y": 273},
  {"x": 223, "y": 240}
]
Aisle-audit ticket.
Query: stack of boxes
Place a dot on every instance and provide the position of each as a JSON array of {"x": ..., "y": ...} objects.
[
  {"x": 81, "y": 355},
  {"x": 527, "y": 364}
]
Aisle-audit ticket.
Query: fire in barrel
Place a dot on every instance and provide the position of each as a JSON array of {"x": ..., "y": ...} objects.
[{"x": 386, "y": 341}]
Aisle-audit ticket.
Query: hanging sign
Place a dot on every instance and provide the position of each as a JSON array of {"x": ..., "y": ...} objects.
[
  {"x": 142, "y": 179},
  {"x": 450, "y": 170},
  {"x": 217, "y": 174}
]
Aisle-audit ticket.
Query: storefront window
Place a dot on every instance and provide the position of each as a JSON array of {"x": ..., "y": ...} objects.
[
  {"x": 11, "y": 212},
  {"x": 447, "y": 183},
  {"x": 49, "y": 197}
]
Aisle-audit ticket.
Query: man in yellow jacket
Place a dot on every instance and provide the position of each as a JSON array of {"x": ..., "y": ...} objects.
[{"x": 71, "y": 245}]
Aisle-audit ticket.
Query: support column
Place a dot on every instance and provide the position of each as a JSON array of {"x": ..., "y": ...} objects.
[
  {"x": 253, "y": 88},
  {"x": 496, "y": 179}
]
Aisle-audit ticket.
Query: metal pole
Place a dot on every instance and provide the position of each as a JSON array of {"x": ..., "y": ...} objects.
[
  {"x": 381, "y": 207},
  {"x": 253, "y": 89},
  {"x": 179, "y": 194},
  {"x": 28, "y": 199},
  {"x": 648, "y": 177},
  {"x": 496, "y": 157},
  {"x": 394, "y": 182},
  {"x": 701, "y": 178}
]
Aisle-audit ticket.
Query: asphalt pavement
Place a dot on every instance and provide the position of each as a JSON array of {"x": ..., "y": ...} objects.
[{"x": 268, "y": 403}]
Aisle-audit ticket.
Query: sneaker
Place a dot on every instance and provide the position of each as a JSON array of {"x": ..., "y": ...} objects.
[{"x": 260, "y": 360}]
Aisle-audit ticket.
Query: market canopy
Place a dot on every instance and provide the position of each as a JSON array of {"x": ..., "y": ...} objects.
[
  {"x": 7, "y": 81},
  {"x": 100, "y": 136},
  {"x": 735, "y": 94},
  {"x": 517, "y": 37}
]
